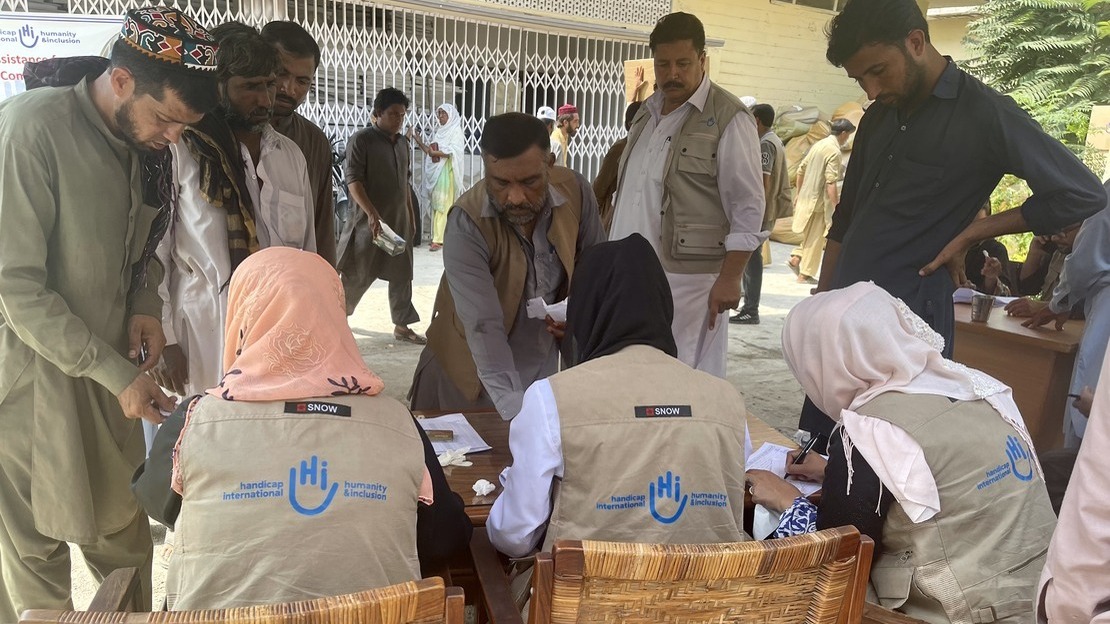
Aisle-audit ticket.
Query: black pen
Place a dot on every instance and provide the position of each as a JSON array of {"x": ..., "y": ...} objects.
[
  {"x": 805, "y": 450},
  {"x": 1073, "y": 396}
]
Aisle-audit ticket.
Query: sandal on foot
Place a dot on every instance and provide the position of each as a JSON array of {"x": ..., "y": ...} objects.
[{"x": 409, "y": 336}]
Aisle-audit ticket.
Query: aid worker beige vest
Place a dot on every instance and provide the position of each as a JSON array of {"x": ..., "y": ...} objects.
[
  {"x": 653, "y": 452},
  {"x": 295, "y": 500},
  {"x": 978, "y": 560},
  {"x": 694, "y": 221},
  {"x": 509, "y": 268}
]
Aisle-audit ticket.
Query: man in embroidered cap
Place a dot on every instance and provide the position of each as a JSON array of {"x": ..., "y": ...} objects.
[
  {"x": 75, "y": 338},
  {"x": 566, "y": 126}
]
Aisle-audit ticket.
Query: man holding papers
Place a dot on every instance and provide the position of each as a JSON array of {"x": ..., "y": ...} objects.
[{"x": 516, "y": 235}]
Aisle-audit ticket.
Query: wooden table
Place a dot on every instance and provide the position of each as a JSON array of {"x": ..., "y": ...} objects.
[
  {"x": 1036, "y": 363},
  {"x": 489, "y": 464}
]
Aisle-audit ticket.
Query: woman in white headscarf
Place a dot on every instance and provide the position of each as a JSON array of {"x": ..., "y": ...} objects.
[
  {"x": 929, "y": 458},
  {"x": 443, "y": 175}
]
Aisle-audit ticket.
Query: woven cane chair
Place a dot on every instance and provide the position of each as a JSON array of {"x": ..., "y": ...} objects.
[
  {"x": 425, "y": 601},
  {"x": 817, "y": 579}
]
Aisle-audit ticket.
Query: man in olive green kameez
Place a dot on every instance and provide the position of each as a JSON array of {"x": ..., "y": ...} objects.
[{"x": 73, "y": 227}]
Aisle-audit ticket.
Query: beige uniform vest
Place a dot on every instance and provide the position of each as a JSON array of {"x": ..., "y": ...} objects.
[
  {"x": 660, "y": 461},
  {"x": 509, "y": 268},
  {"x": 295, "y": 501},
  {"x": 693, "y": 218},
  {"x": 979, "y": 558}
]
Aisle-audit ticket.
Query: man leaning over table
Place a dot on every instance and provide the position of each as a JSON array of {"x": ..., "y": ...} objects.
[
  {"x": 73, "y": 227},
  {"x": 516, "y": 235},
  {"x": 928, "y": 153},
  {"x": 630, "y": 444}
]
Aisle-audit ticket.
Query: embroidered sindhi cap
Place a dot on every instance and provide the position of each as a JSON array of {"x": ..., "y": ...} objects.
[{"x": 170, "y": 36}]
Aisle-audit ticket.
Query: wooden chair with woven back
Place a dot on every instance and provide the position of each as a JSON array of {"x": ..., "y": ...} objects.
[
  {"x": 815, "y": 579},
  {"x": 426, "y": 601}
]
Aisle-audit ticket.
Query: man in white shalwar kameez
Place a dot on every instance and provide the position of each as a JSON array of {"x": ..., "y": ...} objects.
[{"x": 195, "y": 251}]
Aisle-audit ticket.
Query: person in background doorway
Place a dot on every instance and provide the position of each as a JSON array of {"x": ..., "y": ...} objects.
[
  {"x": 566, "y": 126},
  {"x": 605, "y": 184},
  {"x": 817, "y": 197},
  {"x": 443, "y": 173}
]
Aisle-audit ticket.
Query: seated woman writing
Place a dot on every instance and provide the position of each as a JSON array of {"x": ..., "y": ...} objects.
[
  {"x": 929, "y": 458},
  {"x": 296, "y": 478}
]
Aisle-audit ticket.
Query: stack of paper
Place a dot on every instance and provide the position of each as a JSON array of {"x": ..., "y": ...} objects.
[
  {"x": 464, "y": 435},
  {"x": 964, "y": 295},
  {"x": 772, "y": 458}
]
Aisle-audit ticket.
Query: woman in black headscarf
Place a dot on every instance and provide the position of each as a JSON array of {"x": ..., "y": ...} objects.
[{"x": 644, "y": 448}]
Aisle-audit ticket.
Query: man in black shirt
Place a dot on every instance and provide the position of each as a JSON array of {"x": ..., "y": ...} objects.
[{"x": 928, "y": 153}]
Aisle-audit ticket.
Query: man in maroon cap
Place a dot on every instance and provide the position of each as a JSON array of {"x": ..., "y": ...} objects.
[{"x": 566, "y": 126}]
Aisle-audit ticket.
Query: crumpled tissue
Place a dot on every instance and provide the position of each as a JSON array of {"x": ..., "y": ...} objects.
[
  {"x": 483, "y": 487},
  {"x": 456, "y": 457}
]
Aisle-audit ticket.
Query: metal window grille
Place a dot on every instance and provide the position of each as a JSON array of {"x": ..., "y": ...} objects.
[{"x": 483, "y": 68}]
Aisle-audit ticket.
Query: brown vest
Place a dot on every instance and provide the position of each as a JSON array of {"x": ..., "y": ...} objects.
[
  {"x": 979, "y": 558},
  {"x": 694, "y": 221},
  {"x": 295, "y": 501},
  {"x": 661, "y": 460},
  {"x": 509, "y": 269}
]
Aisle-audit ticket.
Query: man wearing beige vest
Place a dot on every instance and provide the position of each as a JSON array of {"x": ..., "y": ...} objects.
[
  {"x": 690, "y": 182},
  {"x": 630, "y": 444},
  {"x": 515, "y": 236}
]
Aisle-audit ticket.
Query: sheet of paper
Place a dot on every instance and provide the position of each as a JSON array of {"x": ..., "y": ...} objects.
[
  {"x": 748, "y": 449},
  {"x": 540, "y": 309},
  {"x": 964, "y": 295},
  {"x": 465, "y": 435},
  {"x": 772, "y": 458}
]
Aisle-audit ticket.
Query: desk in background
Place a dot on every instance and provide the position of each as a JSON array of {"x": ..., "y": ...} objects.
[{"x": 1036, "y": 363}]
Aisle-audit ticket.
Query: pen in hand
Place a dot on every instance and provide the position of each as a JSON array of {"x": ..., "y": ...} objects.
[{"x": 805, "y": 450}]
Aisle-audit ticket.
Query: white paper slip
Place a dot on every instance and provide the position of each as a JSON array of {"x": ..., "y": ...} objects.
[
  {"x": 465, "y": 435},
  {"x": 964, "y": 295},
  {"x": 540, "y": 309},
  {"x": 772, "y": 458}
]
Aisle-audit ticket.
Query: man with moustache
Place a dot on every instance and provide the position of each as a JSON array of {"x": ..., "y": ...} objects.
[
  {"x": 241, "y": 187},
  {"x": 691, "y": 183},
  {"x": 300, "y": 57},
  {"x": 75, "y": 334},
  {"x": 514, "y": 236},
  {"x": 566, "y": 127},
  {"x": 928, "y": 153}
]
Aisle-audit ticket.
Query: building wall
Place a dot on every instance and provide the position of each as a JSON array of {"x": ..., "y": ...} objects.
[
  {"x": 773, "y": 52},
  {"x": 948, "y": 35}
]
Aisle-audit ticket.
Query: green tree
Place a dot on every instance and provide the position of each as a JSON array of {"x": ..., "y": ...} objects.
[{"x": 1051, "y": 56}]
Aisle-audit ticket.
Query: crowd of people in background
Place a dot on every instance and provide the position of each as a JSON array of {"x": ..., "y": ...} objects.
[{"x": 167, "y": 229}]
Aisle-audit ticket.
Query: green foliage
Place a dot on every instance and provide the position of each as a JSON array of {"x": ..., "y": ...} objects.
[{"x": 1051, "y": 56}]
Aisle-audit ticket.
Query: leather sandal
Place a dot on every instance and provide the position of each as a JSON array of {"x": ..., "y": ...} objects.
[{"x": 409, "y": 336}]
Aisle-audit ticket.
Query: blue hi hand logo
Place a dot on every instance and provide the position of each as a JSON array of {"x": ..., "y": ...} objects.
[
  {"x": 663, "y": 489},
  {"x": 1018, "y": 455},
  {"x": 308, "y": 475},
  {"x": 27, "y": 37}
]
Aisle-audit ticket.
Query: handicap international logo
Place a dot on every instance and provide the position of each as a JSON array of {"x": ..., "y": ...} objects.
[
  {"x": 1019, "y": 463},
  {"x": 664, "y": 499},
  {"x": 309, "y": 475},
  {"x": 310, "y": 489},
  {"x": 27, "y": 36}
]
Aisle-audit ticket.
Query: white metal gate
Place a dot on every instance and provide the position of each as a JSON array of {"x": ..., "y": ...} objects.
[{"x": 483, "y": 68}]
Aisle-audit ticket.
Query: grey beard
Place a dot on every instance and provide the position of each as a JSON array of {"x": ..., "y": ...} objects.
[{"x": 520, "y": 219}]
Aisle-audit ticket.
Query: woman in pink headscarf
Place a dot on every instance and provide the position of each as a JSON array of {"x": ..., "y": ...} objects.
[
  {"x": 929, "y": 458},
  {"x": 296, "y": 478}
]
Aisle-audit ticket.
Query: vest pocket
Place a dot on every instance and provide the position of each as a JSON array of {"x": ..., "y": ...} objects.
[
  {"x": 892, "y": 584},
  {"x": 698, "y": 157},
  {"x": 699, "y": 242}
]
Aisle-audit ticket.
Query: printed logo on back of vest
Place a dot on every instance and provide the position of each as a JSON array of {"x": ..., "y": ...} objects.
[
  {"x": 310, "y": 490},
  {"x": 317, "y": 407},
  {"x": 1018, "y": 462},
  {"x": 663, "y": 411},
  {"x": 664, "y": 500}
]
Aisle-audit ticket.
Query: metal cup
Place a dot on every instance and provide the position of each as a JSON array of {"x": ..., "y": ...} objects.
[{"x": 981, "y": 306}]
